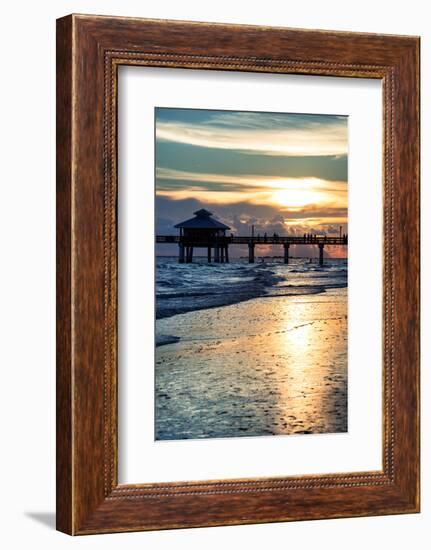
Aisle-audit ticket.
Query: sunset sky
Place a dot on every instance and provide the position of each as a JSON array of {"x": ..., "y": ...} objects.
[{"x": 283, "y": 173}]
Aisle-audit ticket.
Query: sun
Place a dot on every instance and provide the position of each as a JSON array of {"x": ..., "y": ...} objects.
[{"x": 295, "y": 198}]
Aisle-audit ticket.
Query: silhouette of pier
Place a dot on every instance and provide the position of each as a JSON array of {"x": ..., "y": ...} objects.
[
  {"x": 203, "y": 231},
  {"x": 220, "y": 245}
]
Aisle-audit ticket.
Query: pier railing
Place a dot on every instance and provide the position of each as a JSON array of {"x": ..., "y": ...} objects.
[{"x": 260, "y": 239}]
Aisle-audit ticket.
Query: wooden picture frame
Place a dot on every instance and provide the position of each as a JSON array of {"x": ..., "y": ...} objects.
[{"x": 89, "y": 51}]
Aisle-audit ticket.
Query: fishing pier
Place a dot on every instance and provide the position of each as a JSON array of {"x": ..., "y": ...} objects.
[{"x": 204, "y": 231}]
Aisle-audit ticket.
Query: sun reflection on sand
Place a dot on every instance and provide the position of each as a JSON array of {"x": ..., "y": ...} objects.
[{"x": 298, "y": 338}]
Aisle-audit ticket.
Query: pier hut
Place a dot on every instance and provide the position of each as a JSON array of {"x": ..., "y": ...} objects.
[{"x": 206, "y": 232}]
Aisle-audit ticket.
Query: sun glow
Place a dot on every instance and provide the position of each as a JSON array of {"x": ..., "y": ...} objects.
[
  {"x": 296, "y": 193},
  {"x": 295, "y": 198}
]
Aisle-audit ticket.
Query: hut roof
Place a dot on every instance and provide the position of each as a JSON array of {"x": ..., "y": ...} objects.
[{"x": 202, "y": 220}]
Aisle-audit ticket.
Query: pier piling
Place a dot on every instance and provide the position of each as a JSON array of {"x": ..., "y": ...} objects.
[
  {"x": 286, "y": 253},
  {"x": 251, "y": 253},
  {"x": 181, "y": 253},
  {"x": 321, "y": 245},
  {"x": 189, "y": 254}
]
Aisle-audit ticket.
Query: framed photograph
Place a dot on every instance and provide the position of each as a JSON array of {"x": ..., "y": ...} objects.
[{"x": 237, "y": 274}]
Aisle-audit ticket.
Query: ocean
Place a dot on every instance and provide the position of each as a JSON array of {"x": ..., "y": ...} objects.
[{"x": 250, "y": 349}]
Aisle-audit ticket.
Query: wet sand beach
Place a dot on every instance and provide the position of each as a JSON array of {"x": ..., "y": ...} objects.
[{"x": 272, "y": 365}]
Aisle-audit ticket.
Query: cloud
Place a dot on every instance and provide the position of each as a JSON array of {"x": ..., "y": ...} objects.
[
  {"x": 288, "y": 193},
  {"x": 264, "y": 133},
  {"x": 241, "y": 216},
  {"x": 324, "y": 141},
  {"x": 250, "y": 180}
]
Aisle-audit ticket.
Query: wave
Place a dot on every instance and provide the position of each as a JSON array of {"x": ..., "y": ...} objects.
[{"x": 181, "y": 288}]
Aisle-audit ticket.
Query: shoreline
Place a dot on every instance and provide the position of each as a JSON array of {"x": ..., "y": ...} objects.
[
  {"x": 273, "y": 365},
  {"x": 165, "y": 339}
]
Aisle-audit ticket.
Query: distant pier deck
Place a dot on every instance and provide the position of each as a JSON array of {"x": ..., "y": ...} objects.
[{"x": 218, "y": 247}]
